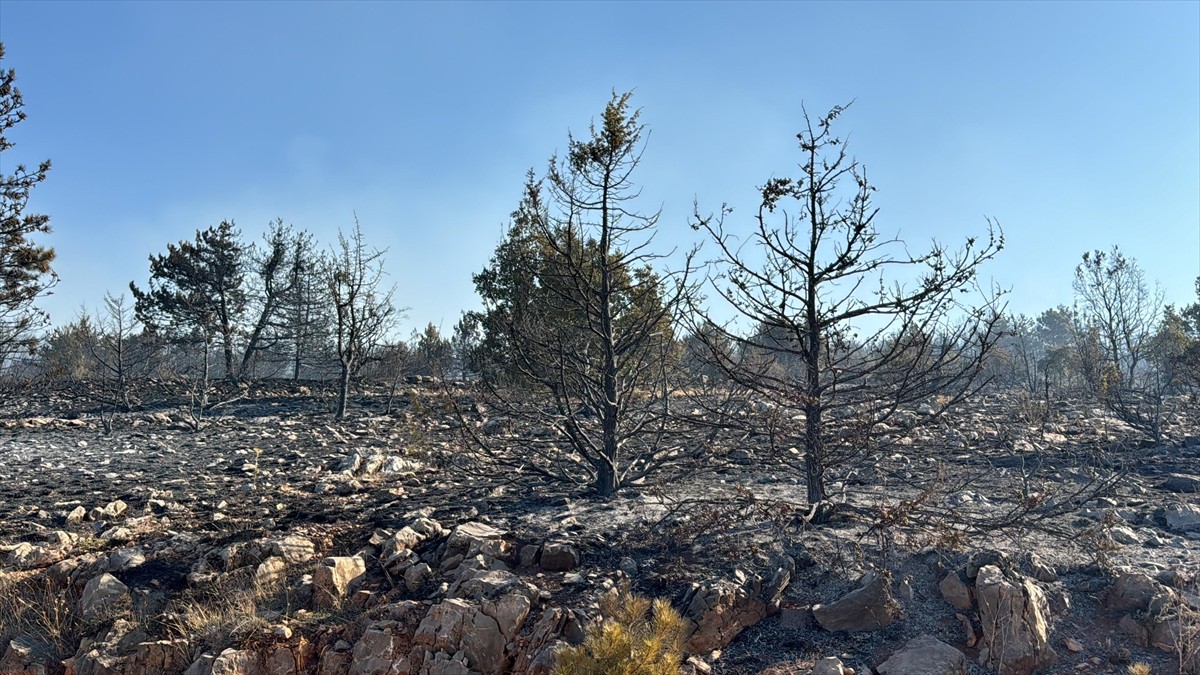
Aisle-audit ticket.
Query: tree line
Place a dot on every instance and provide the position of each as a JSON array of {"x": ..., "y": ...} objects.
[{"x": 802, "y": 325}]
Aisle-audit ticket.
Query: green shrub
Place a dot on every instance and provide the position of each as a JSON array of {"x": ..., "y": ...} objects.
[{"x": 636, "y": 637}]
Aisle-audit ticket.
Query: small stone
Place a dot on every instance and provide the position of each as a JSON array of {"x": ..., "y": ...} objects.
[
  {"x": 76, "y": 515},
  {"x": 1073, "y": 645},
  {"x": 830, "y": 665}
]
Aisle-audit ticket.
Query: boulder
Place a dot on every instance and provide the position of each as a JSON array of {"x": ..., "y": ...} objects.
[
  {"x": 1013, "y": 614},
  {"x": 925, "y": 655},
  {"x": 870, "y": 607}
]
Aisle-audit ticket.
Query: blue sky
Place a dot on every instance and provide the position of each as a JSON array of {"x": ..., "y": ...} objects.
[{"x": 1075, "y": 125}]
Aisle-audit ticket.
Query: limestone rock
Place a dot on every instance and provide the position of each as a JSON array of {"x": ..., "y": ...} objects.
[
  {"x": 556, "y": 628},
  {"x": 1133, "y": 591},
  {"x": 1182, "y": 517},
  {"x": 269, "y": 572},
  {"x": 830, "y": 665},
  {"x": 471, "y": 539},
  {"x": 559, "y": 557},
  {"x": 417, "y": 576},
  {"x": 76, "y": 515},
  {"x": 1181, "y": 482},
  {"x": 164, "y": 657},
  {"x": 719, "y": 611},
  {"x": 335, "y": 579},
  {"x": 870, "y": 607},
  {"x": 103, "y": 597},
  {"x": 925, "y": 655},
  {"x": 236, "y": 662},
  {"x": 26, "y": 555},
  {"x": 294, "y": 549},
  {"x": 124, "y": 559},
  {"x": 202, "y": 665},
  {"x": 22, "y": 657},
  {"x": 956, "y": 591},
  {"x": 376, "y": 651},
  {"x": 1135, "y": 631},
  {"x": 1012, "y": 612},
  {"x": 454, "y": 626}
]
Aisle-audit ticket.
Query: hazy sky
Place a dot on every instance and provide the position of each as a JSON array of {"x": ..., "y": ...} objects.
[{"x": 1075, "y": 125}]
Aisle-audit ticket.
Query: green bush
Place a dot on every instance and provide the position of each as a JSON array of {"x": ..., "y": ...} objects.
[{"x": 636, "y": 637}]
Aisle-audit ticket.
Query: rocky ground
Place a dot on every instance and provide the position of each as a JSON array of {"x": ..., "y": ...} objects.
[{"x": 1012, "y": 539}]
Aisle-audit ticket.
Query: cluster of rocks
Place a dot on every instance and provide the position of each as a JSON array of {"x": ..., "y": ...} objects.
[
  {"x": 469, "y": 600},
  {"x": 421, "y": 600},
  {"x": 332, "y": 553}
]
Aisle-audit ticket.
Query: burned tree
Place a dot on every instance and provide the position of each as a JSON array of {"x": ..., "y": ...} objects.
[
  {"x": 835, "y": 349},
  {"x": 1120, "y": 315},
  {"x": 363, "y": 311},
  {"x": 1112, "y": 297},
  {"x": 280, "y": 296},
  {"x": 577, "y": 323},
  {"x": 123, "y": 355},
  {"x": 302, "y": 325}
]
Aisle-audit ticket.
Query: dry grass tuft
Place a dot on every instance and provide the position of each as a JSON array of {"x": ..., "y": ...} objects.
[{"x": 32, "y": 607}]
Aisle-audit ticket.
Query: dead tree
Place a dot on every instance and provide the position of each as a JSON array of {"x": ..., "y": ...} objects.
[
  {"x": 121, "y": 356},
  {"x": 363, "y": 311},
  {"x": 836, "y": 350}
]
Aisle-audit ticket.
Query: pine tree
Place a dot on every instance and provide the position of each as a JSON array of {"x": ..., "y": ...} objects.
[{"x": 25, "y": 272}]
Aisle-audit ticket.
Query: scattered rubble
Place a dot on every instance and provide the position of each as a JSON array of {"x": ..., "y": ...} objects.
[{"x": 274, "y": 543}]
